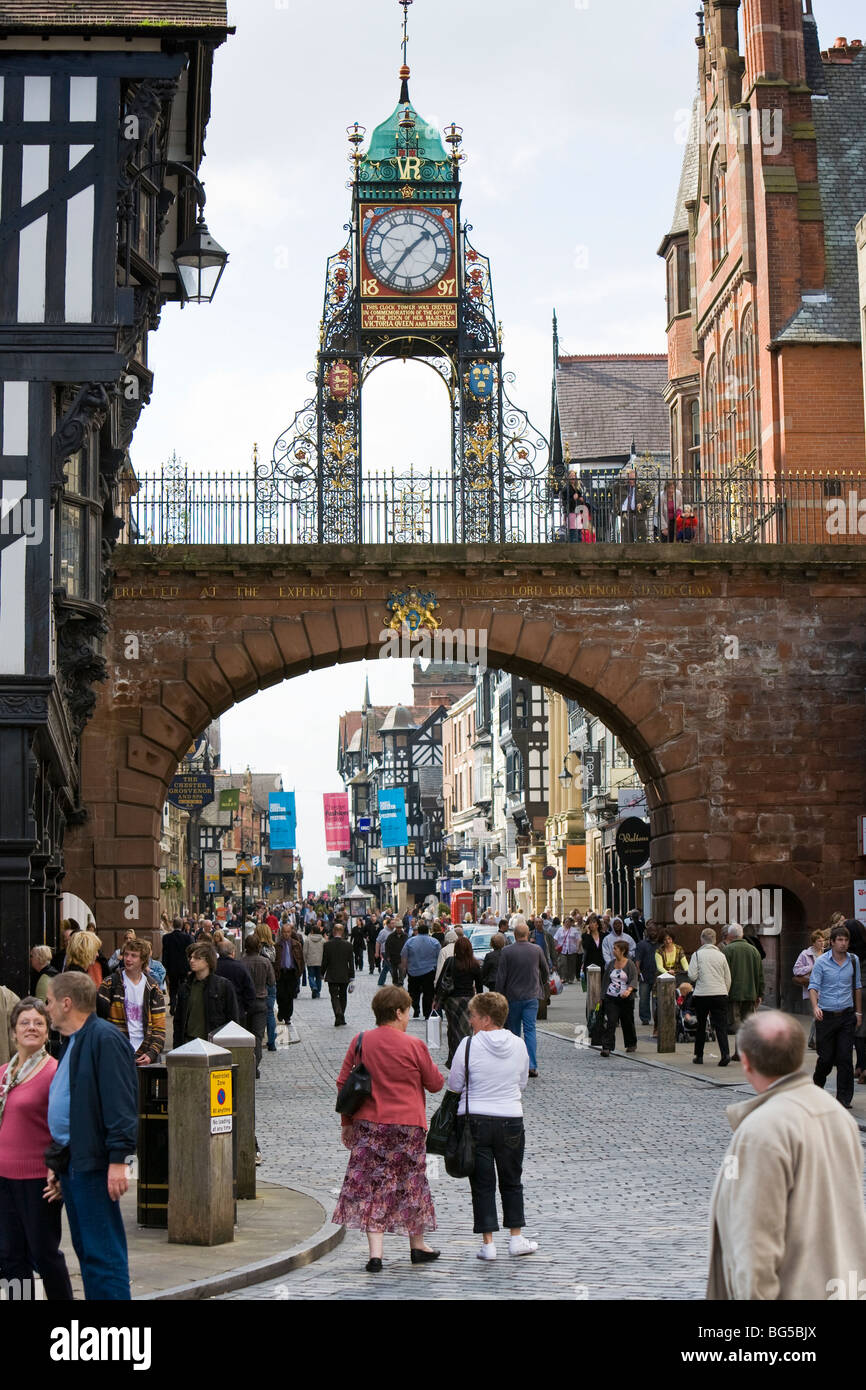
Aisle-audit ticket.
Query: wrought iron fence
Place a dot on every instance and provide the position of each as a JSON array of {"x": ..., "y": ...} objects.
[{"x": 180, "y": 507}]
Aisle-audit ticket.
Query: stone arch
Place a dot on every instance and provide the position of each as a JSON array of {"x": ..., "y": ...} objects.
[{"x": 744, "y": 779}]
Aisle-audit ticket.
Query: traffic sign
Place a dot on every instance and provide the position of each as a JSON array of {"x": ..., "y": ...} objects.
[
  {"x": 244, "y": 867},
  {"x": 548, "y": 871}
]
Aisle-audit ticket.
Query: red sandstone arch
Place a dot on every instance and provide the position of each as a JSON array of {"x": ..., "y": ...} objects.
[{"x": 744, "y": 770}]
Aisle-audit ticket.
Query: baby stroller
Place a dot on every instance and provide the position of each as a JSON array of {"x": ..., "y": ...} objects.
[{"x": 687, "y": 1019}]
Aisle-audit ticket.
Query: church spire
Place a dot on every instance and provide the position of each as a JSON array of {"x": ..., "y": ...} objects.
[{"x": 365, "y": 703}]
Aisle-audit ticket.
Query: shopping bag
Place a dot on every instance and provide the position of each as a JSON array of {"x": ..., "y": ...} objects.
[
  {"x": 596, "y": 1024},
  {"x": 434, "y": 1032},
  {"x": 556, "y": 985}
]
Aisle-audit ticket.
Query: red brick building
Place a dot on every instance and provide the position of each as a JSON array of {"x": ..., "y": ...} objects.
[{"x": 764, "y": 340}]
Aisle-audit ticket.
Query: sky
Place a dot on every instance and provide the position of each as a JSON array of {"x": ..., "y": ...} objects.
[{"x": 574, "y": 113}]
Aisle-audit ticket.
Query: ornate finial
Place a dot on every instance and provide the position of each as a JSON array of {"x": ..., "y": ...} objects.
[
  {"x": 405, "y": 4},
  {"x": 255, "y": 455},
  {"x": 700, "y": 19}
]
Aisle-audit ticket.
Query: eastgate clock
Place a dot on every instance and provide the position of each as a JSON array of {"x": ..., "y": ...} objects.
[{"x": 408, "y": 249}]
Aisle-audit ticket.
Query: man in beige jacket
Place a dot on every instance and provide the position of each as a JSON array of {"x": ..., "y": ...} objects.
[{"x": 787, "y": 1218}]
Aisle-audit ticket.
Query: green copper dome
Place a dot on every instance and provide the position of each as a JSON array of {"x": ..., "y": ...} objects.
[{"x": 387, "y": 139}]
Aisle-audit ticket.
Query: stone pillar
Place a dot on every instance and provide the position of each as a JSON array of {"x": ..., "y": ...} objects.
[
  {"x": 666, "y": 998},
  {"x": 200, "y": 1175},
  {"x": 241, "y": 1044},
  {"x": 17, "y": 842}
]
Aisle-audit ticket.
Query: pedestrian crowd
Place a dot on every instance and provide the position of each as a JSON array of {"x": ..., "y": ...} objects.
[{"x": 70, "y": 1051}]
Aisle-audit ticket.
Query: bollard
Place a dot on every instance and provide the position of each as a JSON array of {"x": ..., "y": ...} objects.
[
  {"x": 241, "y": 1044},
  {"x": 667, "y": 1013},
  {"x": 593, "y": 988},
  {"x": 200, "y": 1178}
]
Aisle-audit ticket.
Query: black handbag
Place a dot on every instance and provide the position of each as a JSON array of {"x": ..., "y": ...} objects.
[
  {"x": 460, "y": 1149},
  {"x": 596, "y": 1023},
  {"x": 445, "y": 987},
  {"x": 357, "y": 1087},
  {"x": 442, "y": 1123}
]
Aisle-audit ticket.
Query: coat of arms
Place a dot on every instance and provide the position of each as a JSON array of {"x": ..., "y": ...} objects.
[
  {"x": 413, "y": 610},
  {"x": 341, "y": 380}
]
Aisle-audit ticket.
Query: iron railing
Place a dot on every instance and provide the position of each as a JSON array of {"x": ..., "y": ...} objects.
[{"x": 181, "y": 507}]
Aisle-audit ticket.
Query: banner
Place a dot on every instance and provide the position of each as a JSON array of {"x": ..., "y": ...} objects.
[
  {"x": 190, "y": 790},
  {"x": 392, "y": 817},
  {"x": 283, "y": 820},
  {"x": 230, "y": 799},
  {"x": 336, "y": 820}
]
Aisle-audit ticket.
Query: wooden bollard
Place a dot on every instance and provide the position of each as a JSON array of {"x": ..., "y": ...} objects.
[
  {"x": 201, "y": 1205},
  {"x": 241, "y": 1044},
  {"x": 593, "y": 988},
  {"x": 667, "y": 1013}
]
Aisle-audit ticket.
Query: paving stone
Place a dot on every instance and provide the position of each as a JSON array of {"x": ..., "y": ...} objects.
[{"x": 593, "y": 1128}]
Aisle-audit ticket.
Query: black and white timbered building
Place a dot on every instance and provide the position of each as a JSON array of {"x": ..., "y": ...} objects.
[{"x": 103, "y": 110}]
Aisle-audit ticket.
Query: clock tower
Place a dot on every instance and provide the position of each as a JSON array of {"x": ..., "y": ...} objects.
[{"x": 407, "y": 283}]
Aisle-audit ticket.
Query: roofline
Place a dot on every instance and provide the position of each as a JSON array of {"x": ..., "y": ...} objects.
[
  {"x": 614, "y": 357},
  {"x": 101, "y": 29}
]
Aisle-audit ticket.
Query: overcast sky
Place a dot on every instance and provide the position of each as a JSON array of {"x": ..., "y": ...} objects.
[{"x": 573, "y": 113}]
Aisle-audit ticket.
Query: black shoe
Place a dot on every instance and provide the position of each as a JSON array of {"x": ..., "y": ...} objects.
[
  {"x": 258, "y": 1075},
  {"x": 533, "y": 1071},
  {"x": 699, "y": 1061},
  {"x": 724, "y": 1061},
  {"x": 373, "y": 1266},
  {"x": 424, "y": 1257},
  {"x": 416, "y": 1015},
  {"x": 272, "y": 1049}
]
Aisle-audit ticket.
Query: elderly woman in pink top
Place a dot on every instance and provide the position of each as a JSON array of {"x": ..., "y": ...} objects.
[
  {"x": 29, "y": 1224},
  {"x": 385, "y": 1188}
]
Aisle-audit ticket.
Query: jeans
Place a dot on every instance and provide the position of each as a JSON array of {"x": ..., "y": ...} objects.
[
  {"x": 339, "y": 999},
  {"x": 834, "y": 1038},
  {"x": 271, "y": 1019},
  {"x": 523, "y": 1013},
  {"x": 358, "y": 948},
  {"x": 387, "y": 968},
  {"x": 644, "y": 994},
  {"x": 371, "y": 955},
  {"x": 314, "y": 973},
  {"x": 716, "y": 1005},
  {"x": 98, "y": 1237},
  {"x": 421, "y": 992},
  {"x": 740, "y": 1010},
  {"x": 499, "y": 1146},
  {"x": 617, "y": 1010},
  {"x": 30, "y": 1239}
]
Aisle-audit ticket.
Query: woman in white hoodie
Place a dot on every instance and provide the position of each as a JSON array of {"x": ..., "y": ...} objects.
[{"x": 490, "y": 1070}]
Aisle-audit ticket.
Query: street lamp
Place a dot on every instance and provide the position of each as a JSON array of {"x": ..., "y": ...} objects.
[
  {"x": 200, "y": 260},
  {"x": 565, "y": 777}
]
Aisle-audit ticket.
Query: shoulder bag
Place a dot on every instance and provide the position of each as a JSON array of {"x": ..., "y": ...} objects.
[
  {"x": 357, "y": 1087},
  {"x": 460, "y": 1149}
]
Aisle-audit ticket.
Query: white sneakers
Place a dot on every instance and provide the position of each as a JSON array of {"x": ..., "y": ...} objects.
[{"x": 519, "y": 1245}]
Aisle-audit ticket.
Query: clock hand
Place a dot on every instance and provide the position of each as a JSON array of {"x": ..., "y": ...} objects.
[{"x": 425, "y": 236}]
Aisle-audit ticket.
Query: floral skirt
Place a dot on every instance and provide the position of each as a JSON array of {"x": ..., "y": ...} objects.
[{"x": 385, "y": 1187}]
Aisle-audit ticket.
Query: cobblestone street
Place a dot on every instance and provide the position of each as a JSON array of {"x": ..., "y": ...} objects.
[{"x": 594, "y": 1129}]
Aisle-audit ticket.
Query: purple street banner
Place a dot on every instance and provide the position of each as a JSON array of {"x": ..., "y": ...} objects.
[{"x": 336, "y": 821}]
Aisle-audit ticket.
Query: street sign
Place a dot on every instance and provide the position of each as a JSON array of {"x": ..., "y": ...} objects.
[
  {"x": 244, "y": 867},
  {"x": 211, "y": 866},
  {"x": 633, "y": 842},
  {"x": 364, "y": 823},
  {"x": 548, "y": 871},
  {"x": 230, "y": 799},
  {"x": 190, "y": 790},
  {"x": 221, "y": 1102}
]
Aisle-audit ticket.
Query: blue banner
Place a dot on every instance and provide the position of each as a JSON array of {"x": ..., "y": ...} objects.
[
  {"x": 392, "y": 817},
  {"x": 281, "y": 812}
]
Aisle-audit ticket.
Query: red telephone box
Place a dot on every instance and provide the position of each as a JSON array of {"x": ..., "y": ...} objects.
[{"x": 461, "y": 903}]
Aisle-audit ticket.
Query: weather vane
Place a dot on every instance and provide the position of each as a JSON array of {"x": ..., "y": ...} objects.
[{"x": 405, "y": 4}]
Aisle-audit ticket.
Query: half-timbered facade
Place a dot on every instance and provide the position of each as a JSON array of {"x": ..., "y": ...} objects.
[{"x": 98, "y": 101}]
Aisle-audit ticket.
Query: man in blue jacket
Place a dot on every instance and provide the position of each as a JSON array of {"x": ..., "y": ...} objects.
[{"x": 93, "y": 1119}]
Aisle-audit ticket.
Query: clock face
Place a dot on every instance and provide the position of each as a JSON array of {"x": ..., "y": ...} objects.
[{"x": 408, "y": 249}]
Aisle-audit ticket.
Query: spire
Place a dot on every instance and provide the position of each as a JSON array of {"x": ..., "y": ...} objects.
[
  {"x": 404, "y": 70},
  {"x": 365, "y": 703},
  {"x": 555, "y": 341}
]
